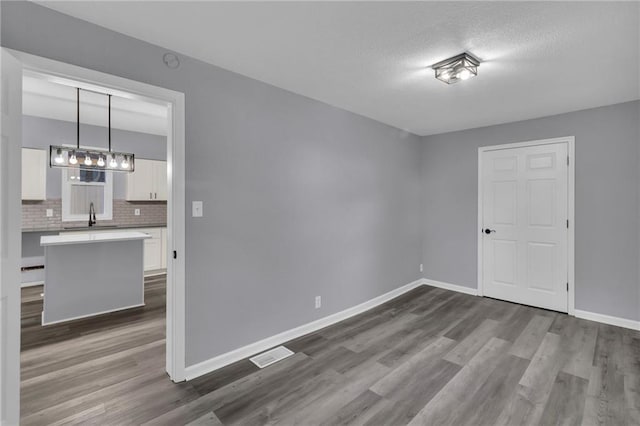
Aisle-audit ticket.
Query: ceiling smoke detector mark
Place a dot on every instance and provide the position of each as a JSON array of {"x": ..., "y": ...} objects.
[
  {"x": 271, "y": 356},
  {"x": 171, "y": 60}
]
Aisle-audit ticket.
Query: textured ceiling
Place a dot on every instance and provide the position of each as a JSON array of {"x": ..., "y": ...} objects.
[{"x": 372, "y": 58}]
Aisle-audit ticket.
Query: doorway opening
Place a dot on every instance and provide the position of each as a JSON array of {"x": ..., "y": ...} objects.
[{"x": 99, "y": 345}]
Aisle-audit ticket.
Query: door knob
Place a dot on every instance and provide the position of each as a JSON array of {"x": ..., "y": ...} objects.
[{"x": 488, "y": 231}]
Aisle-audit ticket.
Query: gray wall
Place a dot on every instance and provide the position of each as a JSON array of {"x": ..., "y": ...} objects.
[
  {"x": 38, "y": 132},
  {"x": 607, "y": 228},
  {"x": 300, "y": 198}
]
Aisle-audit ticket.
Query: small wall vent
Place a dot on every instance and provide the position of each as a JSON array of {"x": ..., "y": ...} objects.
[{"x": 273, "y": 355}]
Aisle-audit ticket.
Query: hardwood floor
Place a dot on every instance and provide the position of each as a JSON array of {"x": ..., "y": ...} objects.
[{"x": 430, "y": 356}]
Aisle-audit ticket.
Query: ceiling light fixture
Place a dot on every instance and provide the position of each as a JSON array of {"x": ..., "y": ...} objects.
[
  {"x": 67, "y": 157},
  {"x": 460, "y": 67}
]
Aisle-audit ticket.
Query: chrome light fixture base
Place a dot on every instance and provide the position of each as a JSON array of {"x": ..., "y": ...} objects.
[{"x": 457, "y": 68}]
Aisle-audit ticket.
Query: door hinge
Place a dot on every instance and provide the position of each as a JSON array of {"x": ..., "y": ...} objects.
[
  {"x": 567, "y": 223},
  {"x": 175, "y": 254},
  {"x": 567, "y": 160},
  {"x": 567, "y": 286}
]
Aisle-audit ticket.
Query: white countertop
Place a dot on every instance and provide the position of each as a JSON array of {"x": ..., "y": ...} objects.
[{"x": 98, "y": 237}]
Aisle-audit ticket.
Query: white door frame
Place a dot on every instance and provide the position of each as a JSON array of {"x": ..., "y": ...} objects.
[
  {"x": 570, "y": 141},
  {"x": 10, "y": 239},
  {"x": 175, "y": 101}
]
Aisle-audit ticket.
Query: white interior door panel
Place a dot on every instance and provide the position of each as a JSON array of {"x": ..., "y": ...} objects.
[{"x": 524, "y": 216}]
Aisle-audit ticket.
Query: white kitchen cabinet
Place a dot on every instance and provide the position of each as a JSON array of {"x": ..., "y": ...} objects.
[
  {"x": 148, "y": 182},
  {"x": 153, "y": 250},
  {"x": 140, "y": 181},
  {"x": 34, "y": 174},
  {"x": 164, "y": 248},
  {"x": 160, "y": 178}
]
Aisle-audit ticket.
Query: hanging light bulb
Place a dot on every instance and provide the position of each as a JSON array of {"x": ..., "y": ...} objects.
[
  {"x": 464, "y": 74},
  {"x": 65, "y": 157},
  {"x": 59, "y": 159}
]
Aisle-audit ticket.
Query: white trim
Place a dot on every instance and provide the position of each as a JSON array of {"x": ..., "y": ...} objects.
[
  {"x": 220, "y": 361},
  {"x": 10, "y": 189},
  {"x": 570, "y": 141},
  {"x": 591, "y": 316},
  {"x": 452, "y": 287},
  {"x": 176, "y": 231},
  {"x": 176, "y": 215},
  {"x": 139, "y": 305},
  {"x": 480, "y": 268},
  {"x": 155, "y": 273},
  {"x": 607, "y": 319},
  {"x": 571, "y": 236},
  {"x": 31, "y": 284}
]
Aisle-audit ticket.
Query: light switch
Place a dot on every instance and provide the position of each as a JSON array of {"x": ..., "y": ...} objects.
[
  {"x": 49, "y": 212},
  {"x": 196, "y": 209},
  {"x": 136, "y": 212}
]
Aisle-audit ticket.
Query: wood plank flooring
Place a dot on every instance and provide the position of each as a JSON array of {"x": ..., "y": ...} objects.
[{"x": 430, "y": 356}]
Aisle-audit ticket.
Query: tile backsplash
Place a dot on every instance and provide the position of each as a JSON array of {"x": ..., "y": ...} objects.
[{"x": 34, "y": 214}]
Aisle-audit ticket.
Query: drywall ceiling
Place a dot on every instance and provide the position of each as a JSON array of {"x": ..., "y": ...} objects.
[
  {"x": 44, "y": 98},
  {"x": 373, "y": 58}
]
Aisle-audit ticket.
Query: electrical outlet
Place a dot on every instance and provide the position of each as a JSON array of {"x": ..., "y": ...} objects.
[
  {"x": 318, "y": 302},
  {"x": 49, "y": 212},
  {"x": 421, "y": 267},
  {"x": 136, "y": 212}
]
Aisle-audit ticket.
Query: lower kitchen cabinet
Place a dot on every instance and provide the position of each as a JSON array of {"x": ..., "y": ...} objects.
[
  {"x": 164, "y": 248},
  {"x": 155, "y": 248}
]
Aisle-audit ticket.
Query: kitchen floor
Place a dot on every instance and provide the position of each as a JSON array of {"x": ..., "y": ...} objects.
[{"x": 430, "y": 356}]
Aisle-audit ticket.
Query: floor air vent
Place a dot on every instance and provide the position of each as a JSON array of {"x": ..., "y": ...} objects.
[{"x": 271, "y": 356}]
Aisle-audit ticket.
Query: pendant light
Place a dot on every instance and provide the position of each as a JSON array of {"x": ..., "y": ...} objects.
[{"x": 90, "y": 159}]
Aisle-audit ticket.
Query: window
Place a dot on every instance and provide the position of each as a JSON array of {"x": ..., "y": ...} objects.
[{"x": 80, "y": 188}]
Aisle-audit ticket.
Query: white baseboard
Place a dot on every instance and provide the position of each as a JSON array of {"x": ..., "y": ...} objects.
[
  {"x": 31, "y": 284},
  {"x": 225, "y": 359},
  {"x": 591, "y": 316},
  {"x": 220, "y": 361},
  {"x": 139, "y": 305},
  {"x": 607, "y": 319},
  {"x": 155, "y": 273},
  {"x": 452, "y": 287}
]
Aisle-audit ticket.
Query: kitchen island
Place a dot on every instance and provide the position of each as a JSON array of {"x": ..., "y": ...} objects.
[{"x": 89, "y": 274}]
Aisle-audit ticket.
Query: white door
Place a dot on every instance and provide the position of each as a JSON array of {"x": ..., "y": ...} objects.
[
  {"x": 10, "y": 240},
  {"x": 525, "y": 225}
]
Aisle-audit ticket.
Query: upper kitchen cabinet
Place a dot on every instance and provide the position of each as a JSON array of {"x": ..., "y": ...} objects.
[
  {"x": 34, "y": 174},
  {"x": 148, "y": 182}
]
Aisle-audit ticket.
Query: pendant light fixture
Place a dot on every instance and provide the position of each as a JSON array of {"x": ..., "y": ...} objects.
[
  {"x": 458, "y": 68},
  {"x": 90, "y": 159}
]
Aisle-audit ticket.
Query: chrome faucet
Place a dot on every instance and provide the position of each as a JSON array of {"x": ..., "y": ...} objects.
[{"x": 92, "y": 214}]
